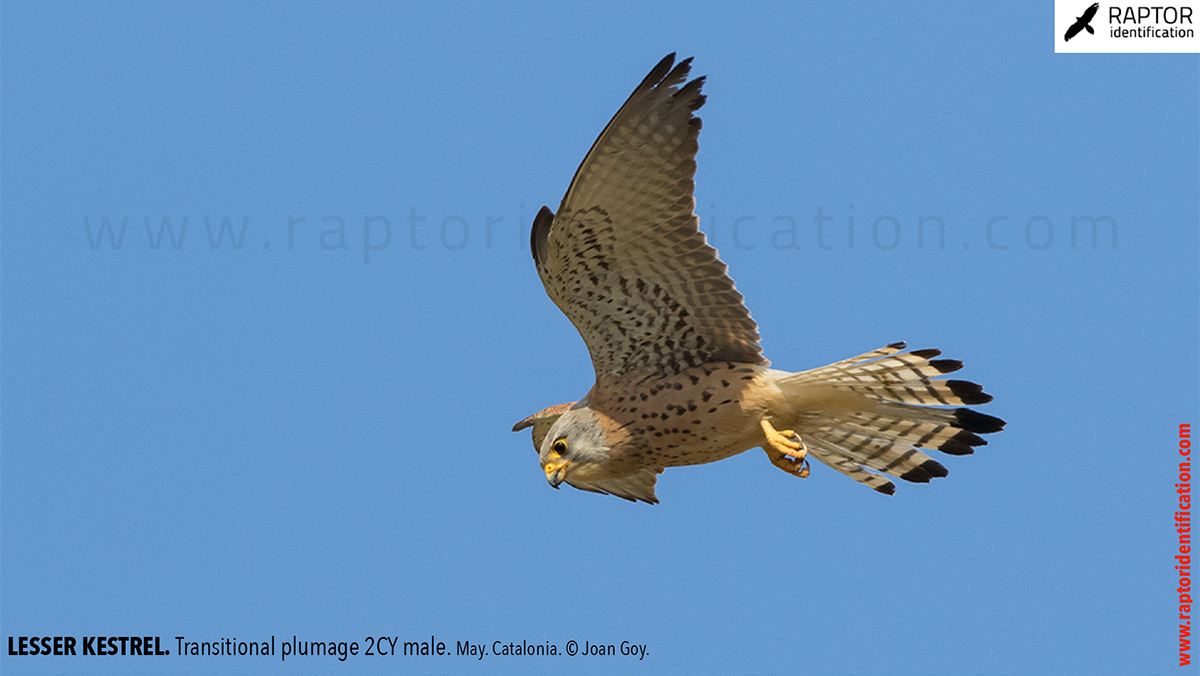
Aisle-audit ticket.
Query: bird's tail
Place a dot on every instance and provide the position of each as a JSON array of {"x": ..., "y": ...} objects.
[
  {"x": 878, "y": 410},
  {"x": 1088, "y": 28}
]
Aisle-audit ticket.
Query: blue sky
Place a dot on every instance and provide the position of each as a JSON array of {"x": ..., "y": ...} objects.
[{"x": 304, "y": 430}]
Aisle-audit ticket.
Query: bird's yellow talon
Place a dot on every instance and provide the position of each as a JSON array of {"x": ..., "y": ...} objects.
[
  {"x": 786, "y": 450},
  {"x": 797, "y": 468},
  {"x": 786, "y": 442}
]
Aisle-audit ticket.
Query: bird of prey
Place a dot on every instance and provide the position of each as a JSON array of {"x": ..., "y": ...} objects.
[
  {"x": 1083, "y": 22},
  {"x": 680, "y": 377}
]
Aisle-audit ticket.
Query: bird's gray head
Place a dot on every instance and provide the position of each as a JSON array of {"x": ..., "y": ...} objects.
[{"x": 574, "y": 448}]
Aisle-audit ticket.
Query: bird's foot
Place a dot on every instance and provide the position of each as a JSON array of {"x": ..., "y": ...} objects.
[
  {"x": 786, "y": 442},
  {"x": 797, "y": 468}
]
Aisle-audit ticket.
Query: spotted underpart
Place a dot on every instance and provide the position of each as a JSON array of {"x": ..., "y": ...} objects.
[
  {"x": 700, "y": 415},
  {"x": 680, "y": 377}
]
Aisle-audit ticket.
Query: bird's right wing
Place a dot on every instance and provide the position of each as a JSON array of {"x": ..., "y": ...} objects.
[{"x": 624, "y": 258}]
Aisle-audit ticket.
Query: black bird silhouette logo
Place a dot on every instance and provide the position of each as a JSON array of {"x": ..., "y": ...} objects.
[{"x": 1082, "y": 22}]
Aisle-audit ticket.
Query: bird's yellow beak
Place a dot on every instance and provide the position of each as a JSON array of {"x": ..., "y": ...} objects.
[{"x": 556, "y": 472}]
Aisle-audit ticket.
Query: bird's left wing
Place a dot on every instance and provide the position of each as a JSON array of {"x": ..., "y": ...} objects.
[
  {"x": 542, "y": 421},
  {"x": 633, "y": 487},
  {"x": 624, "y": 258}
]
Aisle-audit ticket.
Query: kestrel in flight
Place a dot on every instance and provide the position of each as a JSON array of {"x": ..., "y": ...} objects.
[{"x": 680, "y": 377}]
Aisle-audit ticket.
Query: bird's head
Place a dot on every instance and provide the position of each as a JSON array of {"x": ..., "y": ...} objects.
[{"x": 574, "y": 450}]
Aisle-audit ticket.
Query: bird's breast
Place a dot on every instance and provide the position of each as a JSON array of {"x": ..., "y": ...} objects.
[{"x": 703, "y": 414}]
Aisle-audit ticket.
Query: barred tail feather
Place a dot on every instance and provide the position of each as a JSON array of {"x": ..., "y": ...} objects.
[{"x": 874, "y": 413}]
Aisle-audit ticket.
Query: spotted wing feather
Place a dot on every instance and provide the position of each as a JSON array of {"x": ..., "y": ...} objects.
[{"x": 624, "y": 258}]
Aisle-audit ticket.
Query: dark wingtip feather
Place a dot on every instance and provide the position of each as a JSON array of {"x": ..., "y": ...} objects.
[
  {"x": 680, "y": 71},
  {"x": 659, "y": 71},
  {"x": 946, "y": 365},
  {"x": 898, "y": 345},
  {"x": 887, "y": 489},
  {"x": 974, "y": 421},
  {"x": 927, "y": 353},
  {"x": 969, "y": 392},
  {"x": 664, "y": 75},
  {"x": 692, "y": 90}
]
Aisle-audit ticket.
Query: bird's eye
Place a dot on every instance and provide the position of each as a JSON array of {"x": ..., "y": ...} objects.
[{"x": 559, "y": 448}]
